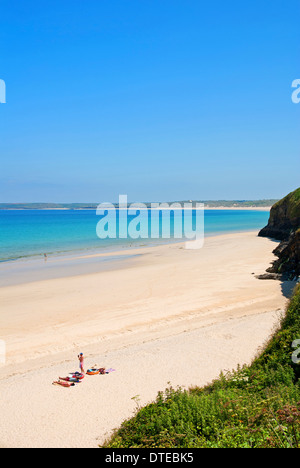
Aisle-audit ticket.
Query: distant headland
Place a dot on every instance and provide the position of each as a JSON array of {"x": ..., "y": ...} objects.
[{"x": 93, "y": 206}]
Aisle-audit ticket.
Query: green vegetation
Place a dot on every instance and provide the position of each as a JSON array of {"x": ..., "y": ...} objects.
[
  {"x": 239, "y": 203},
  {"x": 93, "y": 206},
  {"x": 256, "y": 406},
  {"x": 290, "y": 204}
]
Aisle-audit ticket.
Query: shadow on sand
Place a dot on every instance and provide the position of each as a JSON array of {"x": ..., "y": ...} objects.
[{"x": 287, "y": 288}]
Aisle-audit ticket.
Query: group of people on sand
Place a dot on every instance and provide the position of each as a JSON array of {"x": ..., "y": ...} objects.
[
  {"x": 77, "y": 377},
  {"x": 73, "y": 378}
]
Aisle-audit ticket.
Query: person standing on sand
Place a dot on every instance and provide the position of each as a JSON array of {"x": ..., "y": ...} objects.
[{"x": 81, "y": 362}]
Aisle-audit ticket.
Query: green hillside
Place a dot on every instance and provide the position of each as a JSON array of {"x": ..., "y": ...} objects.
[{"x": 290, "y": 205}]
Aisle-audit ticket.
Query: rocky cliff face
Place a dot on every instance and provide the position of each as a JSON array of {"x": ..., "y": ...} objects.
[{"x": 284, "y": 225}]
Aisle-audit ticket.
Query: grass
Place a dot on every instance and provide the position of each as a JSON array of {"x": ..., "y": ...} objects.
[
  {"x": 292, "y": 204},
  {"x": 255, "y": 406}
]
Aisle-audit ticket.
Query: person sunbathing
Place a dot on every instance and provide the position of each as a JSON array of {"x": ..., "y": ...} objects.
[
  {"x": 70, "y": 379},
  {"x": 63, "y": 383}
]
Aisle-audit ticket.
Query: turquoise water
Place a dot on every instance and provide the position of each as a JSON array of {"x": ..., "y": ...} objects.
[{"x": 31, "y": 233}]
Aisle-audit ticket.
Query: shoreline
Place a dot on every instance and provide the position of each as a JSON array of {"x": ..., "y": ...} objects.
[
  {"x": 90, "y": 243},
  {"x": 93, "y": 299},
  {"x": 107, "y": 251}
]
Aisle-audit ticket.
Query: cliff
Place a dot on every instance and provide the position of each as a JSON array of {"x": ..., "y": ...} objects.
[{"x": 284, "y": 225}]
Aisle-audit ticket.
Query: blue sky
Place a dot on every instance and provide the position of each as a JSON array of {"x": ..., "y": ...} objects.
[{"x": 160, "y": 100}]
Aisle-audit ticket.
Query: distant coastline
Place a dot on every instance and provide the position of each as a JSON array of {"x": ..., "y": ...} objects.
[{"x": 209, "y": 204}]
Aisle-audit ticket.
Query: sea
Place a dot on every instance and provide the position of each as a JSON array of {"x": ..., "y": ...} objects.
[{"x": 40, "y": 234}]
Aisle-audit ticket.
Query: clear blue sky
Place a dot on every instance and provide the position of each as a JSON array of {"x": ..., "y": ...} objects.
[{"x": 156, "y": 99}]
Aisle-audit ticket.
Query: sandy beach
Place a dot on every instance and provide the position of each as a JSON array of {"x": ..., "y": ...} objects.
[{"x": 159, "y": 315}]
